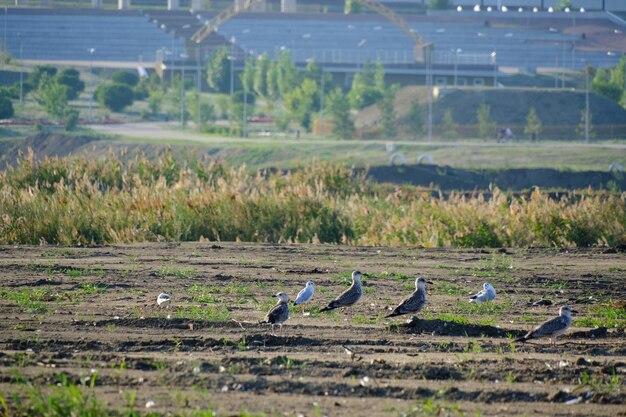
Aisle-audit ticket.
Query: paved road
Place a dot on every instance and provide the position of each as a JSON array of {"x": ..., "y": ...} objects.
[{"x": 169, "y": 131}]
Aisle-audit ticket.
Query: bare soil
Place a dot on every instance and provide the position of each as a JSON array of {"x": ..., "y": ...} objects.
[{"x": 181, "y": 361}]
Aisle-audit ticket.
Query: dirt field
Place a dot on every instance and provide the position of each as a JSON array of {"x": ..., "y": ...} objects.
[{"x": 74, "y": 311}]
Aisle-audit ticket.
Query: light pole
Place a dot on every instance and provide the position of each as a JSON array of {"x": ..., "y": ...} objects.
[
  {"x": 322, "y": 104},
  {"x": 245, "y": 105},
  {"x": 183, "y": 56},
  {"x": 456, "y": 64},
  {"x": 19, "y": 34},
  {"x": 198, "y": 87},
  {"x": 495, "y": 68},
  {"x": 4, "y": 38},
  {"x": 587, "y": 105},
  {"x": 91, "y": 51},
  {"x": 429, "y": 80},
  {"x": 232, "y": 69}
]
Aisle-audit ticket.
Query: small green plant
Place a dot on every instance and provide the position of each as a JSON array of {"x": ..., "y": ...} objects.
[
  {"x": 207, "y": 313},
  {"x": 159, "y": 366},
  {"x": 171, "y": 271},
  {"x": 89, "y": 288},
  {"x": 604, "y": 315},
  {"x": 31, "y": 299},
  {"x": 432, "y": 407},
  {"x": 473, "y": 347}
]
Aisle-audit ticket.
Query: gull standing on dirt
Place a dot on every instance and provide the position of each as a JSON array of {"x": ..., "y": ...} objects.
[
  {"x": 305, "y": 294},
  {"x": 414, "y": 302},
  {"x": 350, "y": 296},
  {"x": 488, "y": 293},
  {"x": 279, "y": 313},
  {"x": 163, "y": 298},
  {"x": 553, "y": 327}
]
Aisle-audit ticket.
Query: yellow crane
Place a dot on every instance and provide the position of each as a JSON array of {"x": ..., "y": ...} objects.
[{"x": 422, "y": 51}]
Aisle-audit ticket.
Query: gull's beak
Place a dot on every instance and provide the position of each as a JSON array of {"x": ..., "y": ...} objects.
[
  {"x": 429, "y": 282},
  {"x": 575, "y": 311}
]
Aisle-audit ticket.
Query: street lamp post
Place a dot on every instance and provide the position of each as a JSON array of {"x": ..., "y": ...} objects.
[
  {"x": 456, "y": 64},
  {"x": 495, "y": 68},
  {"x": 91, "y": 51},
  {"x": 245, "y": 109},
  {"x": 183, "y": 56},
  {"x": 586, "y": 105},
  {"x": 19, "y": 34},
  {"x": 322, "y": 104},
  {"x": 198, "y": 87},
  {"x": 232, "y": 69},
  {"x": 429, "y": 80}
]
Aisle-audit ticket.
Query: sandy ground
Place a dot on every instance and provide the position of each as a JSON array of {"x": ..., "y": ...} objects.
[{"x": 94, "y": 310}]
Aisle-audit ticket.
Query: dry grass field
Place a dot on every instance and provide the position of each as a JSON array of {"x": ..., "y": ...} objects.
[{"x": 80, "y": 330}]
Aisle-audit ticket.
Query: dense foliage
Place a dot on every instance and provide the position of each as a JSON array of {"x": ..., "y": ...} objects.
[
  {"x": 81, "y": 201},
  {"x": 114, "y": 97}
]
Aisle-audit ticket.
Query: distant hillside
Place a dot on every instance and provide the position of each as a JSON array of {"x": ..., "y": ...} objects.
[
  {"x": 559, "y": 111},
  {"x": 510, "y": 107}
]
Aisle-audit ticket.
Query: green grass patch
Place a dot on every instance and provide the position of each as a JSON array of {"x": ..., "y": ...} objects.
[
  {"x": 31, "y": 300},
  {"x": 171, "y": 271},
  {"x": 447, "y": 288},
  {"x": 604, "y": 315},
  {"x": 208, "y": 312}
]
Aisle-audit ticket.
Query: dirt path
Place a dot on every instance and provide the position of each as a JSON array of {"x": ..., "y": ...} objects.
[{"x": 74, "y": 311}]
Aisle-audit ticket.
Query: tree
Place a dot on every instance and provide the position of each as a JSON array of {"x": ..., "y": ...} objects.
[
  {"x": 236, "y": 109},
  {"x": 72, "y": 117},
  {"x": 40, "y": 72},
  {"x": 247, "y": 77},
  {"x": 288, "y": 75},
  {"x": 129, "y": 78},
  {"x": 273, "y": 91},
  {"x": 438, "y": 4},
  {"x": 339, "y": 110},
  {"x": 352, "y": 6},
  {"x": 365, "y": 90},
  {"x": 52, "y": 96},
  {"x": 218, "y": 70},
  {"x": 379, "y": 76},
  {"x": 603, "y": 85},
  {"x": 387, "y": 111},
  {"x": 300, "y": 103},
  {"x": 533, "y": 124},
  {"x": 486, "y": 127},
  {"x": 6, "y": 106},
  {"x": 260, "y": 75},
  {"x": 580, "y": 129},
  {"x": 563, "y": 4},
  {"x": 416, "y": 118},
  {"x": 155, "y": 100},
  {"x": 207, "y": 110},
  {"x": 114, "y": 97},
  {"x": 70, "y": 78},
  {"x": 448, "y": 126}
]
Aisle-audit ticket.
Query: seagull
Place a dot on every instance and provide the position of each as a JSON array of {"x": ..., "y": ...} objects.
[
  {"x": 305, "y": 294},
  {"x": 163, "y": 298},
  {"x": 488, "y": 293},
  {"x": 350, "y": 296},
  {"x": 553, "y": 327},
  {"x": 279, "y": 313},
  {"x": 414, "y": 302}
]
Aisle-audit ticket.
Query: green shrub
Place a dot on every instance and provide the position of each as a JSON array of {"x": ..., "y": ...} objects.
[
  {"x": 114, "y": 97},
  {"x": 6, "y": 107},
  {"x": 70, "y": 78},
  {"x": 129, "y": 78}
]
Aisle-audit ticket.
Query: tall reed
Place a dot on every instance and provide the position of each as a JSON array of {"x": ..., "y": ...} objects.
[{"x": 77, "y": 201}]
